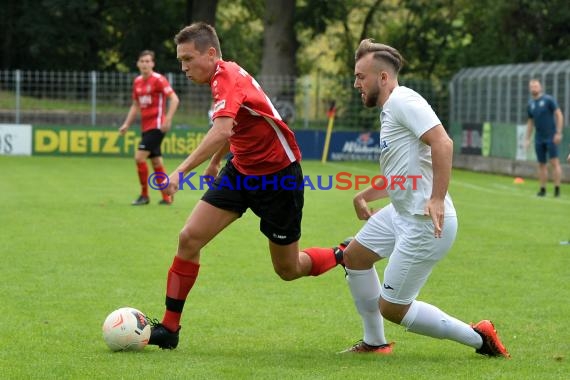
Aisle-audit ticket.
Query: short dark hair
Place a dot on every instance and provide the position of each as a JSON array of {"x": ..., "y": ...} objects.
[
  {"x": 381, "y": 52},
  {"x": 147, "y": 52},
  {"x": 203, "y": 35}
]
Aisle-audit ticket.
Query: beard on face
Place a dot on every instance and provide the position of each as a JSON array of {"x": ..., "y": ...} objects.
[{"x": 371, "y": 99}]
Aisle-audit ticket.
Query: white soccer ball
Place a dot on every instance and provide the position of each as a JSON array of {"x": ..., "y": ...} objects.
[{"x": 126, "y": 329}]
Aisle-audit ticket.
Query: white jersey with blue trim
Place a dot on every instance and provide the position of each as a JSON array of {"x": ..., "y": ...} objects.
[{"x": 404, "y": 118}]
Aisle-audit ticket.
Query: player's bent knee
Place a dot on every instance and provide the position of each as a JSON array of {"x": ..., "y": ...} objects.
[
  {"x": 188, "y": 245},
  {"x": 286, "y": 274},
  {"x": 390, "y": 315},
  {"x": 348, "y": 259},
  {"x": 354, "y": 260},
  {"x": 393, "y": 312},
  {"x": 184, "y": 237}
]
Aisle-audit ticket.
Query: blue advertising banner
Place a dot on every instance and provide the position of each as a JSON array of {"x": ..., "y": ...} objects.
[
  {"x": 355, "y": 146},
  {"x": 344, "y": 146},
  {"x": 311, "y": 143}
]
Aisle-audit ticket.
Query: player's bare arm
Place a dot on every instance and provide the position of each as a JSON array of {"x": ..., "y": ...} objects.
[
  {"x": 370, "y": 194},
  {"x": 215, "y": 164},
  {"x": 173, "y": 102},
  {"x": 130, "y": 118},
  {"x": 442, "y": 156},
  {"x": 215, "y": 139},
  {"x": 529, "y": 128},
  {"x": 559, "y": 125}
]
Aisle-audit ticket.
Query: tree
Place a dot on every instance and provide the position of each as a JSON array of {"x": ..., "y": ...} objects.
[
  {"x": 429, "y": 33},
  {"x": 33, "y": 37},
  {"x": 200, "y": 10},
  {"x": 240, "y": 29},
  {"x": 279, "y": 39},
  {"x": 10, "y": 25},
  {"x": 134, "y": 25},
  {"x": 516, "y": 31},
  {"x": 331, "y": 31},
  {"x": 279, "y": 53},
  {"x": 285, "y": 36}
]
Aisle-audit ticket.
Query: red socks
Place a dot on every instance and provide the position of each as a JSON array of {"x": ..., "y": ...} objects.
[
  {"x": 161, "y": 169},
  {"x": 323, "y": 260},
  {"x": 183, "y": 273},
  {"x": 142, "y": 170},
  {"x": 181, "y": 278}
]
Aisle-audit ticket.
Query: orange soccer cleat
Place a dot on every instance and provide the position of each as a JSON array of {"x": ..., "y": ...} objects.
[{"x": 492, "y": 345}]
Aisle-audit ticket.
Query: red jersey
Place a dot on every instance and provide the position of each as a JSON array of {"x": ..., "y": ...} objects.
[
  {"x": 150, "y": 94},
  {"x": 261, "y": 142}
]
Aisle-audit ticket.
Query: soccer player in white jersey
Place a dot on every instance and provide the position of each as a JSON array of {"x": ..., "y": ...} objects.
[{"x": 416, "y": 230}]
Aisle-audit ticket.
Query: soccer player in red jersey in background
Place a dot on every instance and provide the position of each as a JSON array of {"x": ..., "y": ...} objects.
[
  {"x": 265, "y": 149},
  {"x": 150, "y": 93}
]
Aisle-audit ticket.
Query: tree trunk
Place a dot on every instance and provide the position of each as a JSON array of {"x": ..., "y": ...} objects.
[
  {"x": 201, "y": 10},
  {"x": 278, "y": 64},
  {"x": 279, "y": 40}
]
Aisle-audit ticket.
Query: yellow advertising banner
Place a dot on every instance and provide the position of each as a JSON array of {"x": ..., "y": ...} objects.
[{"x": 107, "y": 142}]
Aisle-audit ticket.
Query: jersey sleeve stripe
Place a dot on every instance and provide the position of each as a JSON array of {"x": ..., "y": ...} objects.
[{"x": 280, "y": 136}]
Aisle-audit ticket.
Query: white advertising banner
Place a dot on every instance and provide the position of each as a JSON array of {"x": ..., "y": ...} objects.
[
  {"x": 15, "y": 139},
  {"x": 522, "y": 153}
]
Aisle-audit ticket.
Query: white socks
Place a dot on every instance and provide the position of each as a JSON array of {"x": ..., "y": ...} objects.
[
  {"x": 365, "y": 288},
  {"x": 425, "y": 319},
  {"x": 422, "y": 318}
]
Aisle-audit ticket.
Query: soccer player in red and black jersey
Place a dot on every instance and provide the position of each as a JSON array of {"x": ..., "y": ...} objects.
[
  {"x": 151, "y": 91},
  {"x": 260, "y": 176}
]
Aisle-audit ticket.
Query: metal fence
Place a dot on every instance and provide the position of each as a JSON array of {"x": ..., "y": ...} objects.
[
  {"x": 499, "y": 94},
  {"x": 103, "y": 98}
]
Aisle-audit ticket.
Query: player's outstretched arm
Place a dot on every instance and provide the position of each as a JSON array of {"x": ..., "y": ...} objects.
[{"x": 215, "y": 139}]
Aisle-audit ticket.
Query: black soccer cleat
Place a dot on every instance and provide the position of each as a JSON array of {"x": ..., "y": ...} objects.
[
  {"x": 162, "y": 337},
  {"x": 339, "y": 251},
  {"x": 141, "y": 201}
]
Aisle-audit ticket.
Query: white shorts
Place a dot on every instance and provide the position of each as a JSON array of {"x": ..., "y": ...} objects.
[{"x": 411, "y": 248}]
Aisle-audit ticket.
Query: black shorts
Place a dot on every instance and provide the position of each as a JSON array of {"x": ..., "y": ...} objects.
[
  {"x": 151, "y": 141},
  {"x": 280, "y": 208}
]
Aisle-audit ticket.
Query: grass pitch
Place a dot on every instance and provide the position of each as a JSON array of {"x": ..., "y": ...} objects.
[{"x": 73, "y": 250}]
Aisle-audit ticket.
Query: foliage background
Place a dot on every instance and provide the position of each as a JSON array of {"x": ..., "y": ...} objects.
[{"x": 437, "y": 37}]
